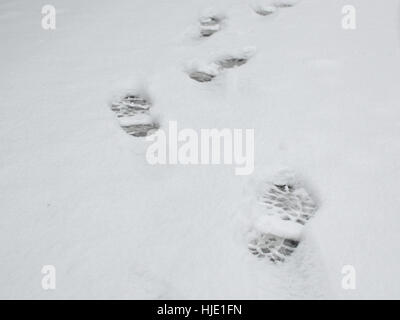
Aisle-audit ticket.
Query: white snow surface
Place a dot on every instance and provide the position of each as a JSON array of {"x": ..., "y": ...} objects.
[
  {"x": 76, "y": 191},
  {"x": 139, "y": 118}
]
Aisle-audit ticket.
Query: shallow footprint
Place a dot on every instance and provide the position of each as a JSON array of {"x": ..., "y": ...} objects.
[
  {"x": 236, "y": 59},
  {"x": 207, "y": 72},
  {"x": 265, "y": 11},
  {"x": 202, "y": 72},
  {"x": 273, "y": 247},
  {"x": 231, "y": 62},
  {"x": 201, "y": 76},
  {"x": 209, "y": 25},
  {"x": 264, "y": 8},
  {"x": 285, "y": 3}
]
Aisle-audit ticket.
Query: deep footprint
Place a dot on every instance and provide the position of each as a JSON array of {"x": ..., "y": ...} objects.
[
  {"x": 289, "y": 202},
  {"x": 133, "y": 114}
]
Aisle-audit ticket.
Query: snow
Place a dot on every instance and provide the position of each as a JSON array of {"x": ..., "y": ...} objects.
[
  {"x": 76, "y": 191},
  {"x": 140, "y": 118},
  {"x": 268, "y": 224}
]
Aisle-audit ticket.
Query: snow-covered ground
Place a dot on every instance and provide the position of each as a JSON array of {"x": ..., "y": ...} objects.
[{"x": 77, "y": 192}]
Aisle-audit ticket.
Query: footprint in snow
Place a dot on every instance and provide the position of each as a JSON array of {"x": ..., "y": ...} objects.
[
  {"x": 202, "y": 76},
  {"x": 264, "y": 8},
  {"x": 274, "y": 247},
  {"x": 285, "y": 3},
  {"x": 265, "y": 11},
  {"x": 207, "y": 72},
  {"x": 209, "y": 25},
  {"x": 288, "y": 202},
  {"x": 210, "y": 21},
  {"x": 133, "y": 115},
  {"x": 285, "y": 207}
]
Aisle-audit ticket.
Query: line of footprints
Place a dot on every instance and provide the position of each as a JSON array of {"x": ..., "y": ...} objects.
[{"x": 286, "y": 201}]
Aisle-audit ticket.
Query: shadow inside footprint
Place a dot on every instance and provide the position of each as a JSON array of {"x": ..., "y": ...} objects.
[
  {"x": 141, "y": 129},
  {"x": 236, "y": 59},
  {"x": 201, "y": 76},
  {"x": 285, "y": 3},
  {"x": 265, "y": 11},
  {"x": 231, "y": 62},
  {"x": 209, "y": 26},
  {"x": 133, "y": 115}
]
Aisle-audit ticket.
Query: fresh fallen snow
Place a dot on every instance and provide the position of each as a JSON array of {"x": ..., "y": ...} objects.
[
  {"x": 136, "y": 119},
  {"x": 76, "y": 191},
  {"x": 268, "y": 224}
]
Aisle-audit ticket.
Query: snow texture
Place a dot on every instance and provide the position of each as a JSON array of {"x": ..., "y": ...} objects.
[{"x": 76, "y": 191}]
